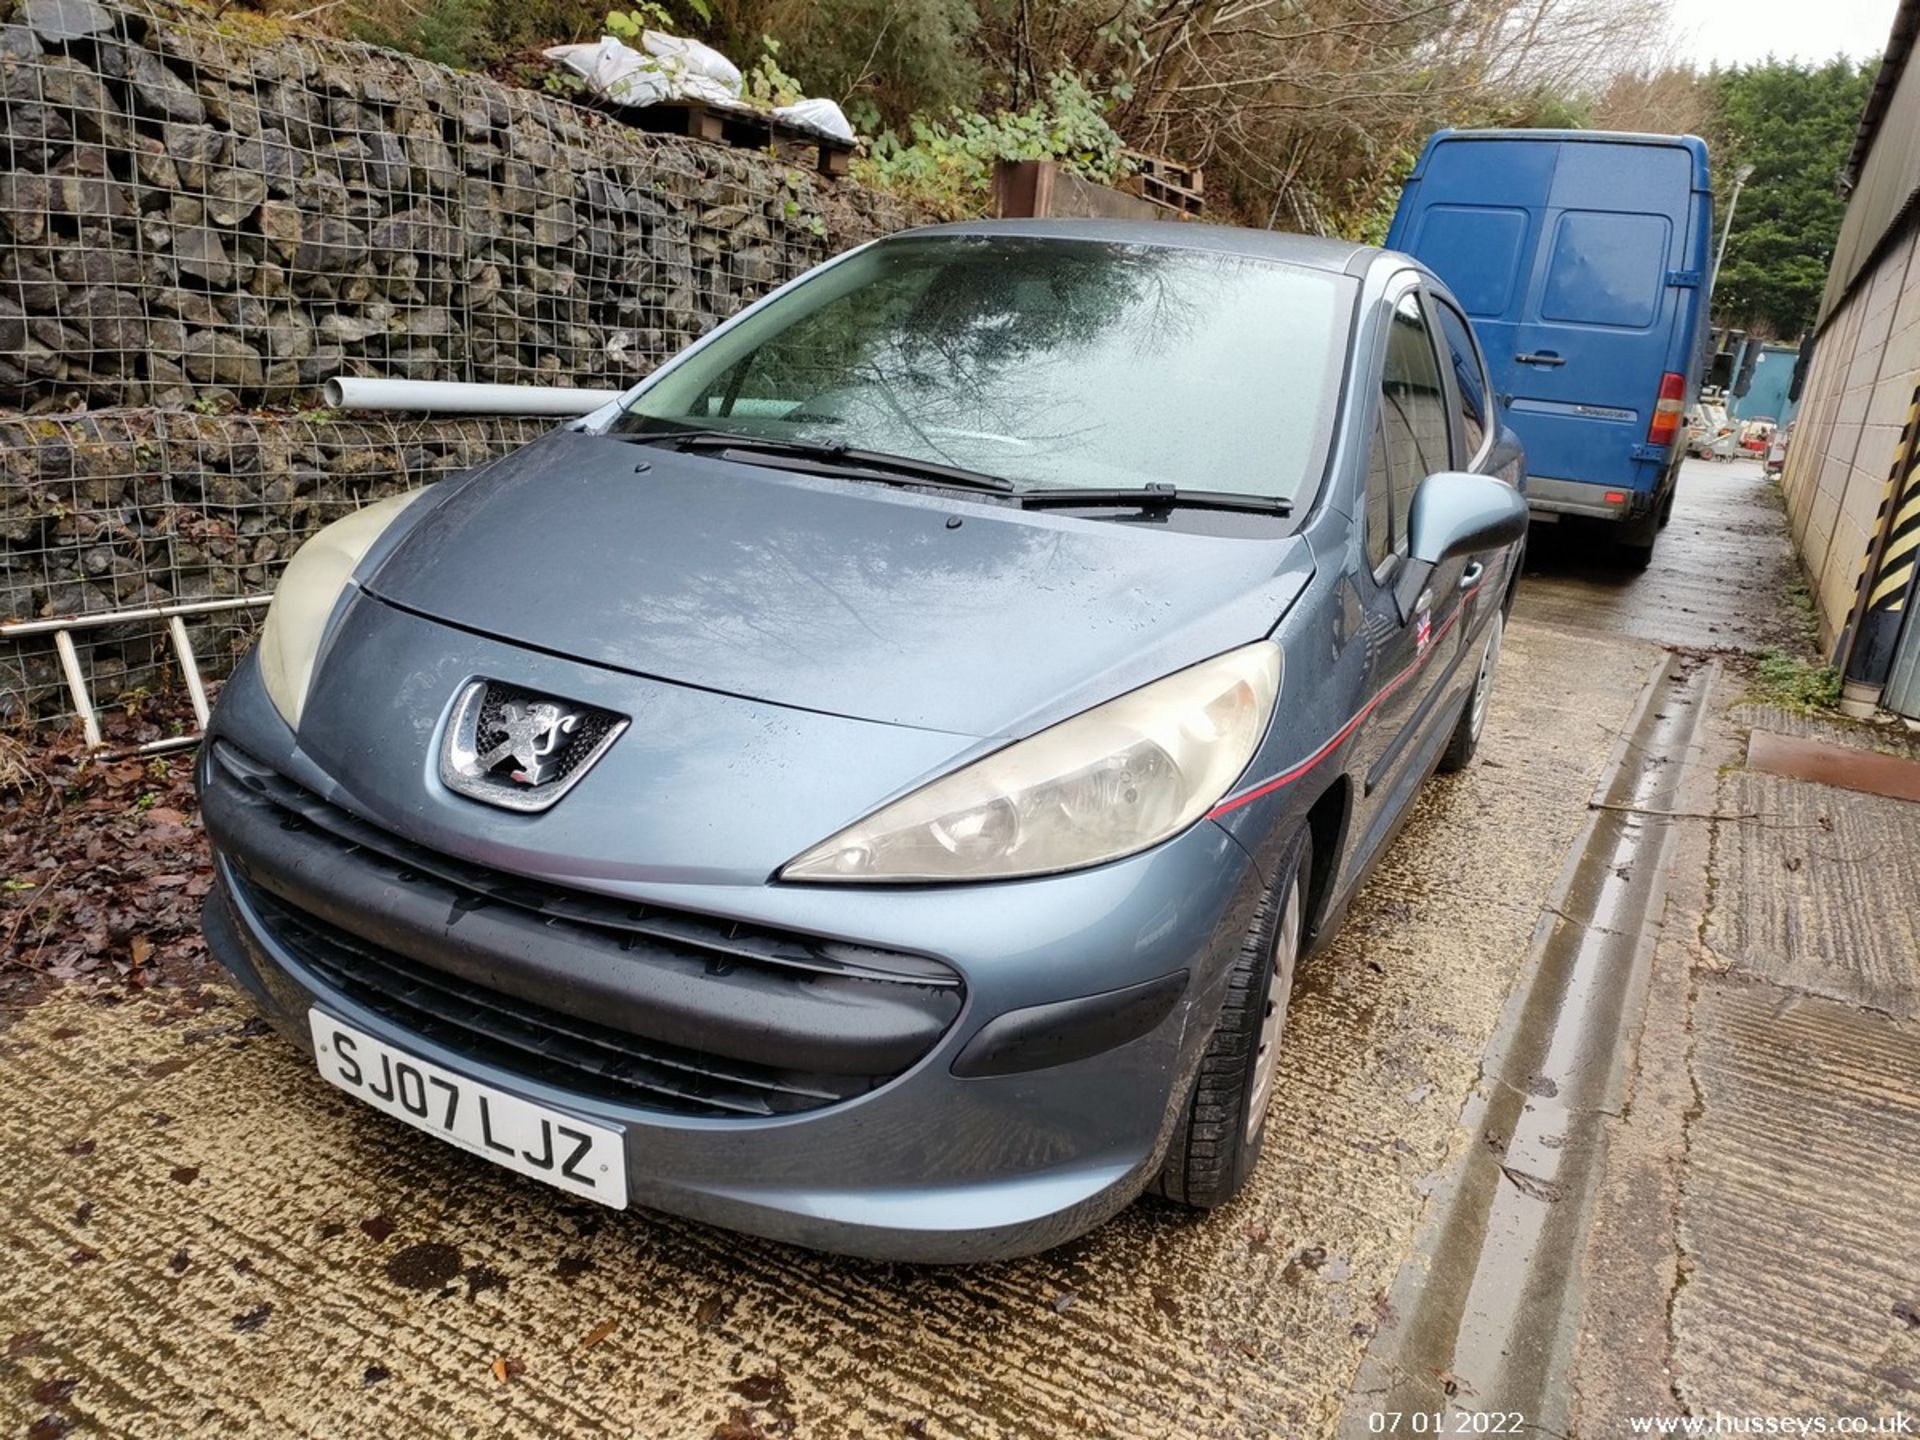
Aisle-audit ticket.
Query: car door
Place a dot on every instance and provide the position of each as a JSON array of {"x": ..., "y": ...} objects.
[
  {"x": 1409, "y": 638},
  {"x": 1473, "y": 583}
]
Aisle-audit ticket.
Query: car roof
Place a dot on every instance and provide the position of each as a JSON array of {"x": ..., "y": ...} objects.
[{"x": 1307, "y": 251}]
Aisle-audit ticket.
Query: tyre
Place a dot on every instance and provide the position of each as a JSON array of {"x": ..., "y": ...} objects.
[
  {"x": 1221, "y": 1126},
  {"x": 1635, "y": 541},
  {"x": 1473, "y": 717}
]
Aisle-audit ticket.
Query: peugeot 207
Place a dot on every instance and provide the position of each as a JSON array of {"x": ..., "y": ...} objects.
[{"x": 871, "y": 785}]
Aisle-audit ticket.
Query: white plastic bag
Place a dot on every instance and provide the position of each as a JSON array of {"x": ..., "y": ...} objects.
[
  {"x": 672, "y": 69},
  {"x": 691, "y": 59},
  {"x": 822, "y": 115}
]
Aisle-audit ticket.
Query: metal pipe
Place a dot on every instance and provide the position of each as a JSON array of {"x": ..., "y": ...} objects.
[
  {"x": 1740, "y": 178},
  {"x": 20, "y": 629},
  {"x": 448, "y": 397}
]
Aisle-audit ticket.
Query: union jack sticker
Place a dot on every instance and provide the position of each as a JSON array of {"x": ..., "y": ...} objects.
[{"x": 1423, "y": 632}]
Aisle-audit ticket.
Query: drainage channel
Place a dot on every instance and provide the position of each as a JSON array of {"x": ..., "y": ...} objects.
[{"x": 1481, "y": 1319}]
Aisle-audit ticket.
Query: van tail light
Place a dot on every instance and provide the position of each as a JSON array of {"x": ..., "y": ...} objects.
[{"x": 1667, "y": 411}]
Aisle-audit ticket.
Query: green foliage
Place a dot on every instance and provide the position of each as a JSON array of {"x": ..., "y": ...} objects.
[
  {"x": 949, "y": 164},
  {"x": 458, "y": 33},
  {"x": 1794, "y": 124},
  {"x": 632, "y": 24},
  {"x": 1796, "y": 684},
  {"x": 883, "y": 60},
  {"x": 767, "y": 84}
]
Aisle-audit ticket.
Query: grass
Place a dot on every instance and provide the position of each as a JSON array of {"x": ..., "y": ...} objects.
[{"x": 1794, "y": 683}]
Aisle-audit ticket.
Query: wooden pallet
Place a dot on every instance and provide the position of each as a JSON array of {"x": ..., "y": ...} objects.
[
  {"x": 1167, "y": 182},
  {"x": 740, "y": 125}
]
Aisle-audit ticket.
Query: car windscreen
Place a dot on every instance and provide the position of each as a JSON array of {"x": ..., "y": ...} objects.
[{"x": 1050, "y": 362}]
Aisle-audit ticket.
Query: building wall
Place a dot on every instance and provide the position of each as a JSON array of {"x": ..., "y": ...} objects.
[{"x": 1862, "y": 381}]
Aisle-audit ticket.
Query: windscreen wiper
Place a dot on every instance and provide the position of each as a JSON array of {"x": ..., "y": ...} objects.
[
  {"x": 829, "y": 457},
  {"x": 1153, "y": 497}
]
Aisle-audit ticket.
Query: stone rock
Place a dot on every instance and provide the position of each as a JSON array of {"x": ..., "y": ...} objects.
[
  {"x": 156, "y": 89},
  {"x": 190, "y": 306},
  {"x": 281, "y": 224},
  {"x": 431, "y": 163},
  {"x": 115, "y": 327},
  {"x": 35, "y": 134},
  {"x": 214, "y": 357},
  {"x": 194, "y": 149},
  {"x": 270, "y": 156},
  {"x": 322, "y": 365},
  {"x": 23, "y": 205},
  {"x": 13, "y": 326},
  {"x": 67, "y": 85},
  {"x": 328, "y": 243},
  {"x": 233, "y": 195},
  {"x": 82, "y": 185},
  {"x": 351, "y": 329},
  {"x": 153, "y": 164},
  {"x": 167, "y": 383},
  {"x": 57, "y": 22},
  {"x": 430, "y": 323},
  {"x": 17, "y": 42},
  {"x": 91, "y": 265},
  {"x": 166, "y": 336},
  {"x": 200, "y": 252},
  {"x": 32, "y": 284},
  {"x": 520, "y": 191},
  {"x": 386, "y": 160},
  {"x": 555, "y": 225}
]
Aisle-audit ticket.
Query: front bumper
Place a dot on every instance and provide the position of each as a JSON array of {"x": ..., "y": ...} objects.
[{"x": 995, "y": 1116}]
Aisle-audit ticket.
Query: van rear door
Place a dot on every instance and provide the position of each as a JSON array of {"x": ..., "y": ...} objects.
[
  {"x": 1607, "y": 294},
  {"x": 1572, "y": 258}
]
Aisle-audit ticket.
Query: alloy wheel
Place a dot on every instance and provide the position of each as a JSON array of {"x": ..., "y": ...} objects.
[{"x": 1286, "y": 946}]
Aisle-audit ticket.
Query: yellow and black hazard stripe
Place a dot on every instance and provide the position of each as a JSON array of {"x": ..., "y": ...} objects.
[{"x": 1887, "y": 570}]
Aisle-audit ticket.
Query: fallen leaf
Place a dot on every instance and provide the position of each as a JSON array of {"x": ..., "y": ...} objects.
[
  {"x": 254, "y": 1318},
  {"x": 184, "y": 1174},
  {"x": 599, "y": 1333},
  {"x": 505, "y": 1369},
  {"x": 142, "y": 949}
]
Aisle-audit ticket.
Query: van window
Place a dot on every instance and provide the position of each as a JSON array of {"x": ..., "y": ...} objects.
[
  {"x": 1468, "y": 378},
  {"x": 1482, "y": 249},
  {"x": 1413, "y": 408},
  {"x": 1607, "y": 269}
]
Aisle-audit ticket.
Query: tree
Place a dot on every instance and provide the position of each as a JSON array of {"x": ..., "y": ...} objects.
[{"x": 1794, "y": 124}]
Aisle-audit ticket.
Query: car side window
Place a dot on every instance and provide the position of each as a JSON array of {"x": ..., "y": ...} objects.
[
  {"x": 1379, "y": 507},
  {"x": 1413, "y": 409},
  {"x": 1468, "y": 379}
]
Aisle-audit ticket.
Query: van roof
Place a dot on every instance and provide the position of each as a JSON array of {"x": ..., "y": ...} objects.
[{"x": 1692, "y": 144}]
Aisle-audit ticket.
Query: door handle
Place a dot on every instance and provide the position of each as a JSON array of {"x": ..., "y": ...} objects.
[
  {"x": 1470, "y": 576},
  {"x": 1541, "y": 357}
]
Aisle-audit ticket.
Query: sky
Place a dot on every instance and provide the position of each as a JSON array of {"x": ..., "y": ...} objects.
[{"x": 1710, "y": 31}]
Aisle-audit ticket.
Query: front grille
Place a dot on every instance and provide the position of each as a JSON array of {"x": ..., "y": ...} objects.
[
  {"x": 735, "y": 969},
  {"x": 543, "y": 1044}
]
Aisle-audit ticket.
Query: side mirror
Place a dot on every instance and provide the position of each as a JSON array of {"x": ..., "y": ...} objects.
[{"x": 1454, "y": 513}]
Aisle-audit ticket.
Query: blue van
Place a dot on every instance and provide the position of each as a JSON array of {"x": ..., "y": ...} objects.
[{"x": 1581, "y": 257}]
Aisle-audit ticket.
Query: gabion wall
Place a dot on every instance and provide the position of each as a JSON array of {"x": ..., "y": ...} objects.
[
  {"x": 205, "y": 215},
  {"x": 127, "y": 508}
]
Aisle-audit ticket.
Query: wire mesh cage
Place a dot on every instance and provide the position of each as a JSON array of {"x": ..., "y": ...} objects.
[{"x": 203, "y": 218}]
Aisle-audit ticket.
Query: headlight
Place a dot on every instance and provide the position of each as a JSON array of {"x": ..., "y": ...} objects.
[
  {"x": 308, "y": 589},
  {"x": 1112, "y": 781}
]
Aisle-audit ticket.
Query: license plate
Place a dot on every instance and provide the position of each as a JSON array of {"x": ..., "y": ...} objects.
[{"x": 574, "y": 1154}]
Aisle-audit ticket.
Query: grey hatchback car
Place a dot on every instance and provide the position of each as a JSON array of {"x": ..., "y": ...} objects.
[{"x": 871, "y": 785}]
